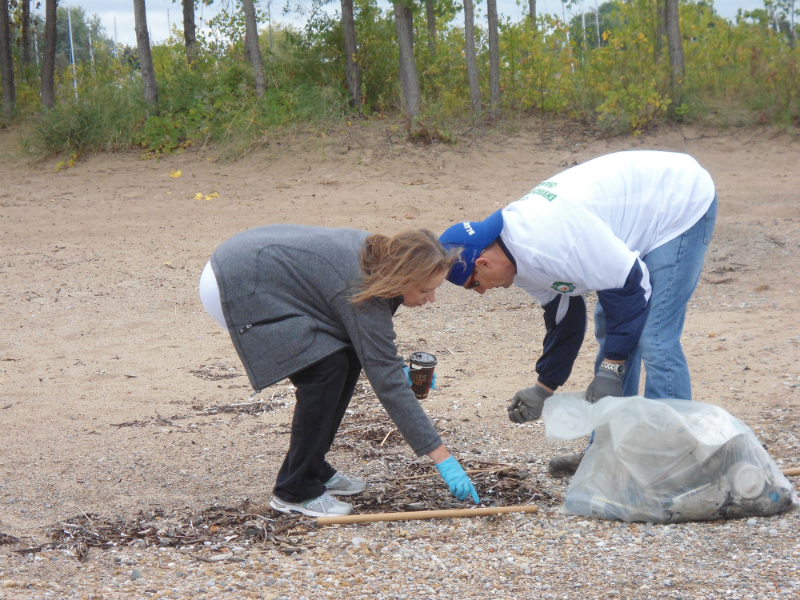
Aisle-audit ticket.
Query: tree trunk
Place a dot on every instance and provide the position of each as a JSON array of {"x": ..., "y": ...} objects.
[
  {"x": 6, "y": 62},
  {"x": 430, "y": 13},
  {"x": 472, "y": 67},
  {"x": 49, "y": 55},
  {"x": 494, "y": 59},
  {"x": 149, "y": 84},
  {"x": 676, "y": 63},
  {"x": 189, "y": 31},
  {"x": 251, "y": 44},
  {"x": 409, "y": 80},
  {"x": 27, "y": 44},
  {"x": 661, "y": 32},
  {"x": 351, "y": 49}
]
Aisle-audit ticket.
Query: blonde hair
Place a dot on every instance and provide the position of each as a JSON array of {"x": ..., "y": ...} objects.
[{"x": 393, "y": 265}]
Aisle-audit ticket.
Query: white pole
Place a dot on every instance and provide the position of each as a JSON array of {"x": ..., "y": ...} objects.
[
  {"x": 116, "y": 40},
  {"x": 269, "y": 15},
  {"x": 72, "y": 54},
  {"x": 583, "y": 21},
  {"x": 91, "y": 50},
  {"x": 169, "y": 26},
  {"x": 597, "y": 22},
  {"x": 35, "y": 46}
]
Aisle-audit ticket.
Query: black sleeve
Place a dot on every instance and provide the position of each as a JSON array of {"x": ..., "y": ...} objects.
[
  {"x": 626, "y": 311},
  {"x": 562, "y": 341}
]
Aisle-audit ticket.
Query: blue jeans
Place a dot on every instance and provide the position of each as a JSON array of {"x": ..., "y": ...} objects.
[{"x": 675, "y": 271}]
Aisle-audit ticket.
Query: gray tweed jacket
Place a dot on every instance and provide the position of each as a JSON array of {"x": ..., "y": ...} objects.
[{"x": 285, "y": 291}]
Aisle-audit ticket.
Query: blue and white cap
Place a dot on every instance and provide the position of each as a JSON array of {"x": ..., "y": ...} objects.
[{"x": 472, "y": 237}]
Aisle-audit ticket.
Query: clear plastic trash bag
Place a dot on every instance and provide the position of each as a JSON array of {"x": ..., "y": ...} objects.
[{"x": 665, "y": 461}]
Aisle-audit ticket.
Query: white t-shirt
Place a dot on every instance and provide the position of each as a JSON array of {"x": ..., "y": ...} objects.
[{"x": 583, "y": 229}]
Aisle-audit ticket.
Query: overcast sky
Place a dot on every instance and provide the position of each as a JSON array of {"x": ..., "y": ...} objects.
[{"x": 160, "y": 13}]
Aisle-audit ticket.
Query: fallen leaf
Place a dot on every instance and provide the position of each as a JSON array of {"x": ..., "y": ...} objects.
[
  {"x": 175, "y": 174},
  {"x": 198, "y": 196}
]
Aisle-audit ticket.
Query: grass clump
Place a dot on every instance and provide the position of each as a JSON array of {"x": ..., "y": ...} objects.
[{"x": 102, "y": 118}]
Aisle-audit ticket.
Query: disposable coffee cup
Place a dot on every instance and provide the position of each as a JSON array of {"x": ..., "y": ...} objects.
[{"x": 421, "y": 366}]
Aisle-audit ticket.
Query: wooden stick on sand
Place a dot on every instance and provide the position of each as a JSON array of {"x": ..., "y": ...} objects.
[
  {"x": 426, "y": 514},
  {"x": 790, "y": 472}
]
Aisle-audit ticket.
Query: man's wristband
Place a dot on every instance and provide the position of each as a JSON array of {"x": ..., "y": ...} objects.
[{"x": 615, "y": 368}]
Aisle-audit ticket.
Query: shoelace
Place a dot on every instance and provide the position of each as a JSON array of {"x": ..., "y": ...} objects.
[{"x": 321, "y": 499}]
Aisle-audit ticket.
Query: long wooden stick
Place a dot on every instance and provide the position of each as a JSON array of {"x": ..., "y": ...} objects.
[
  {"x": 452, "y": 513},
  {"x": 790, "y": 472}
]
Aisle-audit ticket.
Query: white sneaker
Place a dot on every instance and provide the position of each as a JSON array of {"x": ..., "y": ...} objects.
[
  {"x": 323, "y": 506},
  {"x": 339, "y": 485}
]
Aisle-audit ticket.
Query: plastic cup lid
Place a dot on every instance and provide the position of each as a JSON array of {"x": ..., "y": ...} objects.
[
  {"x": 749, "y": 481},
  {"x": 423, "y": 359}
]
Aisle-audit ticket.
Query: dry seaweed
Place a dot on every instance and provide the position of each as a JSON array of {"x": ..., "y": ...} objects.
[
  {"x": 216, "y": 528},
  {"x": 8, "y": 539},
  {"x": 413, "y": 484},
  {"x": 215, "y": 372}
]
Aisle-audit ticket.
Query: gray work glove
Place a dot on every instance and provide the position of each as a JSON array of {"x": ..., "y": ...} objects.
[
  {"x": 607, "y": 382},
  {"x": 527, "y": 404}
]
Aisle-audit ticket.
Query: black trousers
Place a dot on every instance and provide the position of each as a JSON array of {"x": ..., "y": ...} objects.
[{"x": 323, "y": 393}]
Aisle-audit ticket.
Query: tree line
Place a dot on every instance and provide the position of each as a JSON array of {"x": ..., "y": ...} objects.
[
  {"x": 404, "y": 23},
  {"x": 623, "y": 65}
]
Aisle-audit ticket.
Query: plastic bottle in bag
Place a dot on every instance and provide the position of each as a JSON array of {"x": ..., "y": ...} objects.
[{"x": 705, "y": 501}]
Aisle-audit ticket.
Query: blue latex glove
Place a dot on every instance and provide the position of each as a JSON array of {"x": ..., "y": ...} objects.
[
  {"x": 406, "y": 370},
  {"x": 457, "y": 480}
]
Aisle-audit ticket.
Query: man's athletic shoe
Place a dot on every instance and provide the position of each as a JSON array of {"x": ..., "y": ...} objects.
[
  {"x": 339, "y": 485},
  {"x": 565, "y": 466},
  {"x": 324, "y": 506}
]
